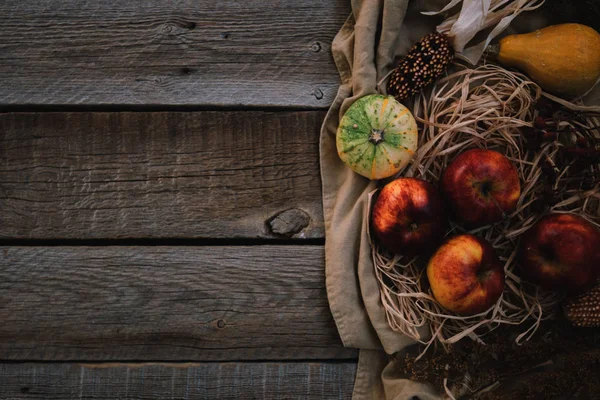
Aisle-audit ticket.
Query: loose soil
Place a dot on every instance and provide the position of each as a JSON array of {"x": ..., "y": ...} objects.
[{"x": 559, "y": 362}]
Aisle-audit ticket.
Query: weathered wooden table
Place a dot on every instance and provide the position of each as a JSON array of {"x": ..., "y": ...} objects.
[{"x": 160, "y": 201}]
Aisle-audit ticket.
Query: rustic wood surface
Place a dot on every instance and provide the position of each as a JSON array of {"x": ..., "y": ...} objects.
[
  {"x": 160, "y": 175},
  {"x": 165, "y": 303},
  {"x": 156, "y": 52},
  {"x": 160, "y": 203},
  {"x": 177, "y": 381}
]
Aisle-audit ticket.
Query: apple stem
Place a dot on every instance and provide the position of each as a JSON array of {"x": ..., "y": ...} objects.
[
  {"x": 414, "y": 226},
  {"x": 504, "y": 213}
]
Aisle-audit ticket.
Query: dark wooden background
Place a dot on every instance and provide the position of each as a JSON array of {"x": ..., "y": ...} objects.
[{"x": 161, "y": 226}]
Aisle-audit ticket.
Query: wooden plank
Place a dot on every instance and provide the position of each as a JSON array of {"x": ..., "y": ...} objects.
[
  {"x": 177, "y": 381},
  {"x": 160, "y": 175},
  {"x": 165, "y": 303},
  {"x": 121, "y": 52}
]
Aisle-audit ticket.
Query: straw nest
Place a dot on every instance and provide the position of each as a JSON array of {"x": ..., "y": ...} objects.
[{"x": 487, "y": 107}]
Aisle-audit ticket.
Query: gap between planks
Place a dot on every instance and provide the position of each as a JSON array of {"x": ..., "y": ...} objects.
[{"x": 160, "y": 242}]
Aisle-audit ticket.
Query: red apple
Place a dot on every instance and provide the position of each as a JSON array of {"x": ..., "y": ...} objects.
[
  {"x": 465, "y": 275},
  {"x": 481, "y": 186},
  {"x": 561, "y": 252},
  {"x": 408, "y": 217}
]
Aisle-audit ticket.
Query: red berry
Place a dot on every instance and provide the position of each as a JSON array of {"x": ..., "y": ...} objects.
[
  {"x": 539, "y": 122},
  {"x": 581, "y": 142},
  {"x": 549, "y": 136},
  {"x": 545, "y": 107}
]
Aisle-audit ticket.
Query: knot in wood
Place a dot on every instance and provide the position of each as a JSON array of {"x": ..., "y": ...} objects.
[{"x": 289, "y": 222}]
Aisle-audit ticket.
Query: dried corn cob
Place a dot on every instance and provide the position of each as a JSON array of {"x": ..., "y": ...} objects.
[
  {"x": 425, "y": 61},
  {"x": 583, "y": 310}
]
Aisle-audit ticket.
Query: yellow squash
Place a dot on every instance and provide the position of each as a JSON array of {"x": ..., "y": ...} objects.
[{"x": 563, "y": 59}]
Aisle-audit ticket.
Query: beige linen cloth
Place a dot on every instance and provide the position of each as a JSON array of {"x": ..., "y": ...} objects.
[{"x": 364, "y": 51}]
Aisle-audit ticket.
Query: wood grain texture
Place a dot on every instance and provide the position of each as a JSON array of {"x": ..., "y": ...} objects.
[
  {"x": 177, "y": 381},
  {"x": 186, "y": 52},
  {"x": 159, "y": 175},
  {"x": 165, "y": 303}
]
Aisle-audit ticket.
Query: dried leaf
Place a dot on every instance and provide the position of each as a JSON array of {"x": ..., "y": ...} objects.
[{"x": 470, "y": 20}]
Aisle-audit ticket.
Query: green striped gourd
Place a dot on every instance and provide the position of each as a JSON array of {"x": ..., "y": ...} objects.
[{"x": 377, "y": 136}]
